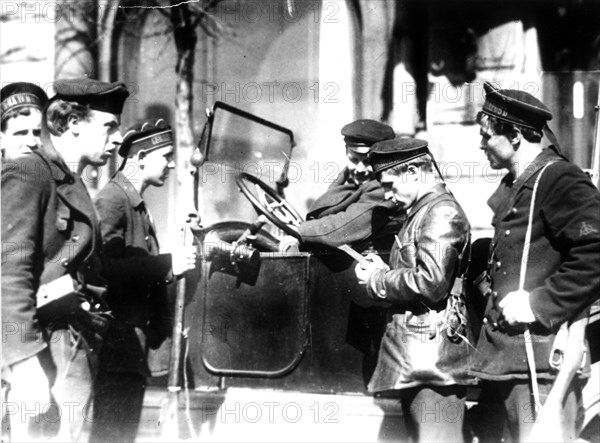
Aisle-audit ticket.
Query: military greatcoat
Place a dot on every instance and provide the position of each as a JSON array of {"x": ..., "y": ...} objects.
[{"x": 49, "y": 229}]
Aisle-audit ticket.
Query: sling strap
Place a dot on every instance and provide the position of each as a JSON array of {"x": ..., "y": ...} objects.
[{"x": 527, "y": 334}]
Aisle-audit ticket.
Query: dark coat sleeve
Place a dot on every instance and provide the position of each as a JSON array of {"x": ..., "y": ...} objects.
[
  {"x": 351, "y": 225},
  {"x": 338, "y": 196},
  {"x": 439, "y": 240},
  {"x": 25, "y": 196},
  {"x": 126, "y": 263},
  {"x": 570, "y": 207}
]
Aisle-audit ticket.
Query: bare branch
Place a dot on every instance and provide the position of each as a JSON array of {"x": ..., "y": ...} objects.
[
  {"x": 207, "y": 21},
  {"x": 72, "y": 56},
  {"x": 160, "y": 8},
  {"x": 8, "y": 53},
  {"x": 142, "y": 35},
  {"x": 214, "y": 33}
]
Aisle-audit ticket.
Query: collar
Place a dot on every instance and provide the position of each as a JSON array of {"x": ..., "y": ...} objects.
[
  {"x": 504, "y": 196},
  {"x": 538, "y": 163},
  {"x": 135, "y": 199},
  {"x": 432, "y": 194},
  {"x": 74, "y": 195},
  {"x": 58, "y": 169}
]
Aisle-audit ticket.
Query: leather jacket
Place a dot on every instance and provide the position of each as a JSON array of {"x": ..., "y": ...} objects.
[{"x": 430, "y": 252}]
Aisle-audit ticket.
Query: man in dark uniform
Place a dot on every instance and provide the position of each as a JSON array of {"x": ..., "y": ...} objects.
[
  {"x": 51, "y": 241},
  {"x": 345, "y": 213},
  {"x": 562, "y": 275},
  {"x": 424, "y": 353},
  {"x": 21, "y": 108},
  {"x": 137, "y": 276}
]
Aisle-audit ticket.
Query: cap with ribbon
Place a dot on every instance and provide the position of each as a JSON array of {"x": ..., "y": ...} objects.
[
  {"x": 389, "y": 153},
  {"x": 514, "y": 106},
  {"x": 361, "y": 134},
  {"x": 98, "y": 95},
  {"x": 146, "y": 136},
  {"x": 21, "y": 95}
]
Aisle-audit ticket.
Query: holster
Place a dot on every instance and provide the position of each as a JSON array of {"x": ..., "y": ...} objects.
[
  {"x": 483, "y": 283},
  {"x": 456, "y": 311},
  {"x": 92, "y": 326}
]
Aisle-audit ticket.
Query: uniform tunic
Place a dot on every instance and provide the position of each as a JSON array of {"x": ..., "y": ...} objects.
[
  {"x": 563, "y": 271},
  {"x": 49, "y": 229},
  {"x": 136, "y": 274}
]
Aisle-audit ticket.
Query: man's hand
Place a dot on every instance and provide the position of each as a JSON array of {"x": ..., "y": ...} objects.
[
  {"x": 364, "y": 270},
  {"x": 183, "y": 259},
  {"x": 516, "y": 309},
  {"x": 93, "y": 326}
]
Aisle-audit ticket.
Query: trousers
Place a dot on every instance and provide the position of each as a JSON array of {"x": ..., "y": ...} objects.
[
  {"x": 434, "y": 413},
  {"x": 516, "y": 412},
  {"x": 118, "y": 405}
]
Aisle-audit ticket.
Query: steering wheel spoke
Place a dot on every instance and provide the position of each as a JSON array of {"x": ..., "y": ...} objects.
[{"x": 266, "y": 201}]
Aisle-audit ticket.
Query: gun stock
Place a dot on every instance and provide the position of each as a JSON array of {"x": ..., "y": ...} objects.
[
  {"x": 170, "y": 423},
  {"x": 549, "y": 427},
  {"x": 596, "y": 149}
]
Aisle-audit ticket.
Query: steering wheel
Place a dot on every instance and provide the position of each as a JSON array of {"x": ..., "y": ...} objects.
[{"x": 266, "y": 201}]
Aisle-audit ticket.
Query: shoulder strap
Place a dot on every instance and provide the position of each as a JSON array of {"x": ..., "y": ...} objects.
[
  {"x": 527, "y": 333},
  {"x": 525, "y": 257}
]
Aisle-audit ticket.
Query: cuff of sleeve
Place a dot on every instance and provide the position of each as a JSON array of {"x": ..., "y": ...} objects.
[
  {"x": 536, "y": 303},
  {"x": 165, "y": 264},
  {"x": 170, "y": 278},
  {"x": 376, "y": 285}
]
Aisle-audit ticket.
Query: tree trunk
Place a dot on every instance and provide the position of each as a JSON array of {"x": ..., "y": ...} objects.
[{"x": 185, "y": 43}]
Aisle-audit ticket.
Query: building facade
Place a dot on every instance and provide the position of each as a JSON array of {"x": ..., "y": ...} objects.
[{"x": 418, "y": 65}]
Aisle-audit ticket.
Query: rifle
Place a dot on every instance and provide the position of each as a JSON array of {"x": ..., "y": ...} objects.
[
  {"x": 170, "y": 423},
  {"x": 569, "y": 349}
]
